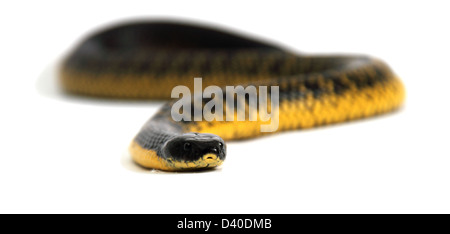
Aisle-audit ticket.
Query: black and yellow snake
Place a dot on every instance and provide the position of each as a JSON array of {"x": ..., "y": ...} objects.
[{"x": 146, "y": 60}]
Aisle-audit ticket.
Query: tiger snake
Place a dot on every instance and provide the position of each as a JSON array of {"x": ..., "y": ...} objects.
[{"x": 146, "y": 60}]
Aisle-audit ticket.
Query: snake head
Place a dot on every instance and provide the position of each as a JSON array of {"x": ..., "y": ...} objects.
[{"x": 191, "y": 151}]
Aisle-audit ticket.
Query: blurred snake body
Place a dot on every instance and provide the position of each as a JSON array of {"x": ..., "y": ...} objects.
[{"x": 146, "y": 60}]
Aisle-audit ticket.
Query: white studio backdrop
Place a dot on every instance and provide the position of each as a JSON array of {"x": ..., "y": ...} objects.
[{"x": 67, "y": 154}]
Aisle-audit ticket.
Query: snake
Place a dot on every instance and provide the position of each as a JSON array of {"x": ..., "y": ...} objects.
[{"x": 147, "y": 59}]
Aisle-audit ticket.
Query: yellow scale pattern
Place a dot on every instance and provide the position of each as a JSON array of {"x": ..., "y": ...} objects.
[
  {"x": 150, "y": 159},
  {"x": 310, "y": 112}
]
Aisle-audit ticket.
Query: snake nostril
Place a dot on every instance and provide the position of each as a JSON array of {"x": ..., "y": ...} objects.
[
  {"x": 187, "y": 146},
  {"x": 214, "y": 149}
]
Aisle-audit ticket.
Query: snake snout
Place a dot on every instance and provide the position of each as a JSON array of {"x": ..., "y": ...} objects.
[
  {"x": 194, "y": 150},
  {"x": 209, "y": 157}
]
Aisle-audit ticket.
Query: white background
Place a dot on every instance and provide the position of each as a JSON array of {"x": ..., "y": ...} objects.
[{"x": 65, "y": 154}]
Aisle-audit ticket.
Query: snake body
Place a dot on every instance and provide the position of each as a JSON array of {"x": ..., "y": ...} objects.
[{"x": 145, "y": 60}]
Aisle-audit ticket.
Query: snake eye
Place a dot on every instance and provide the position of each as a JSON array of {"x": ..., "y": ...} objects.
[
  {"x": 220, "y": 144},
  {"x": 187, "y": 146}
]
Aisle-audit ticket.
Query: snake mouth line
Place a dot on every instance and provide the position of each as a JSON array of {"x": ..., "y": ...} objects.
[
  {"x": 207, "y": 161},
  {"x": 149, "y": 158}
]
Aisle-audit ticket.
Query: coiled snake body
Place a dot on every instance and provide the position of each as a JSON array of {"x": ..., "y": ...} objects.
[{"x": 146, "y": 60}]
